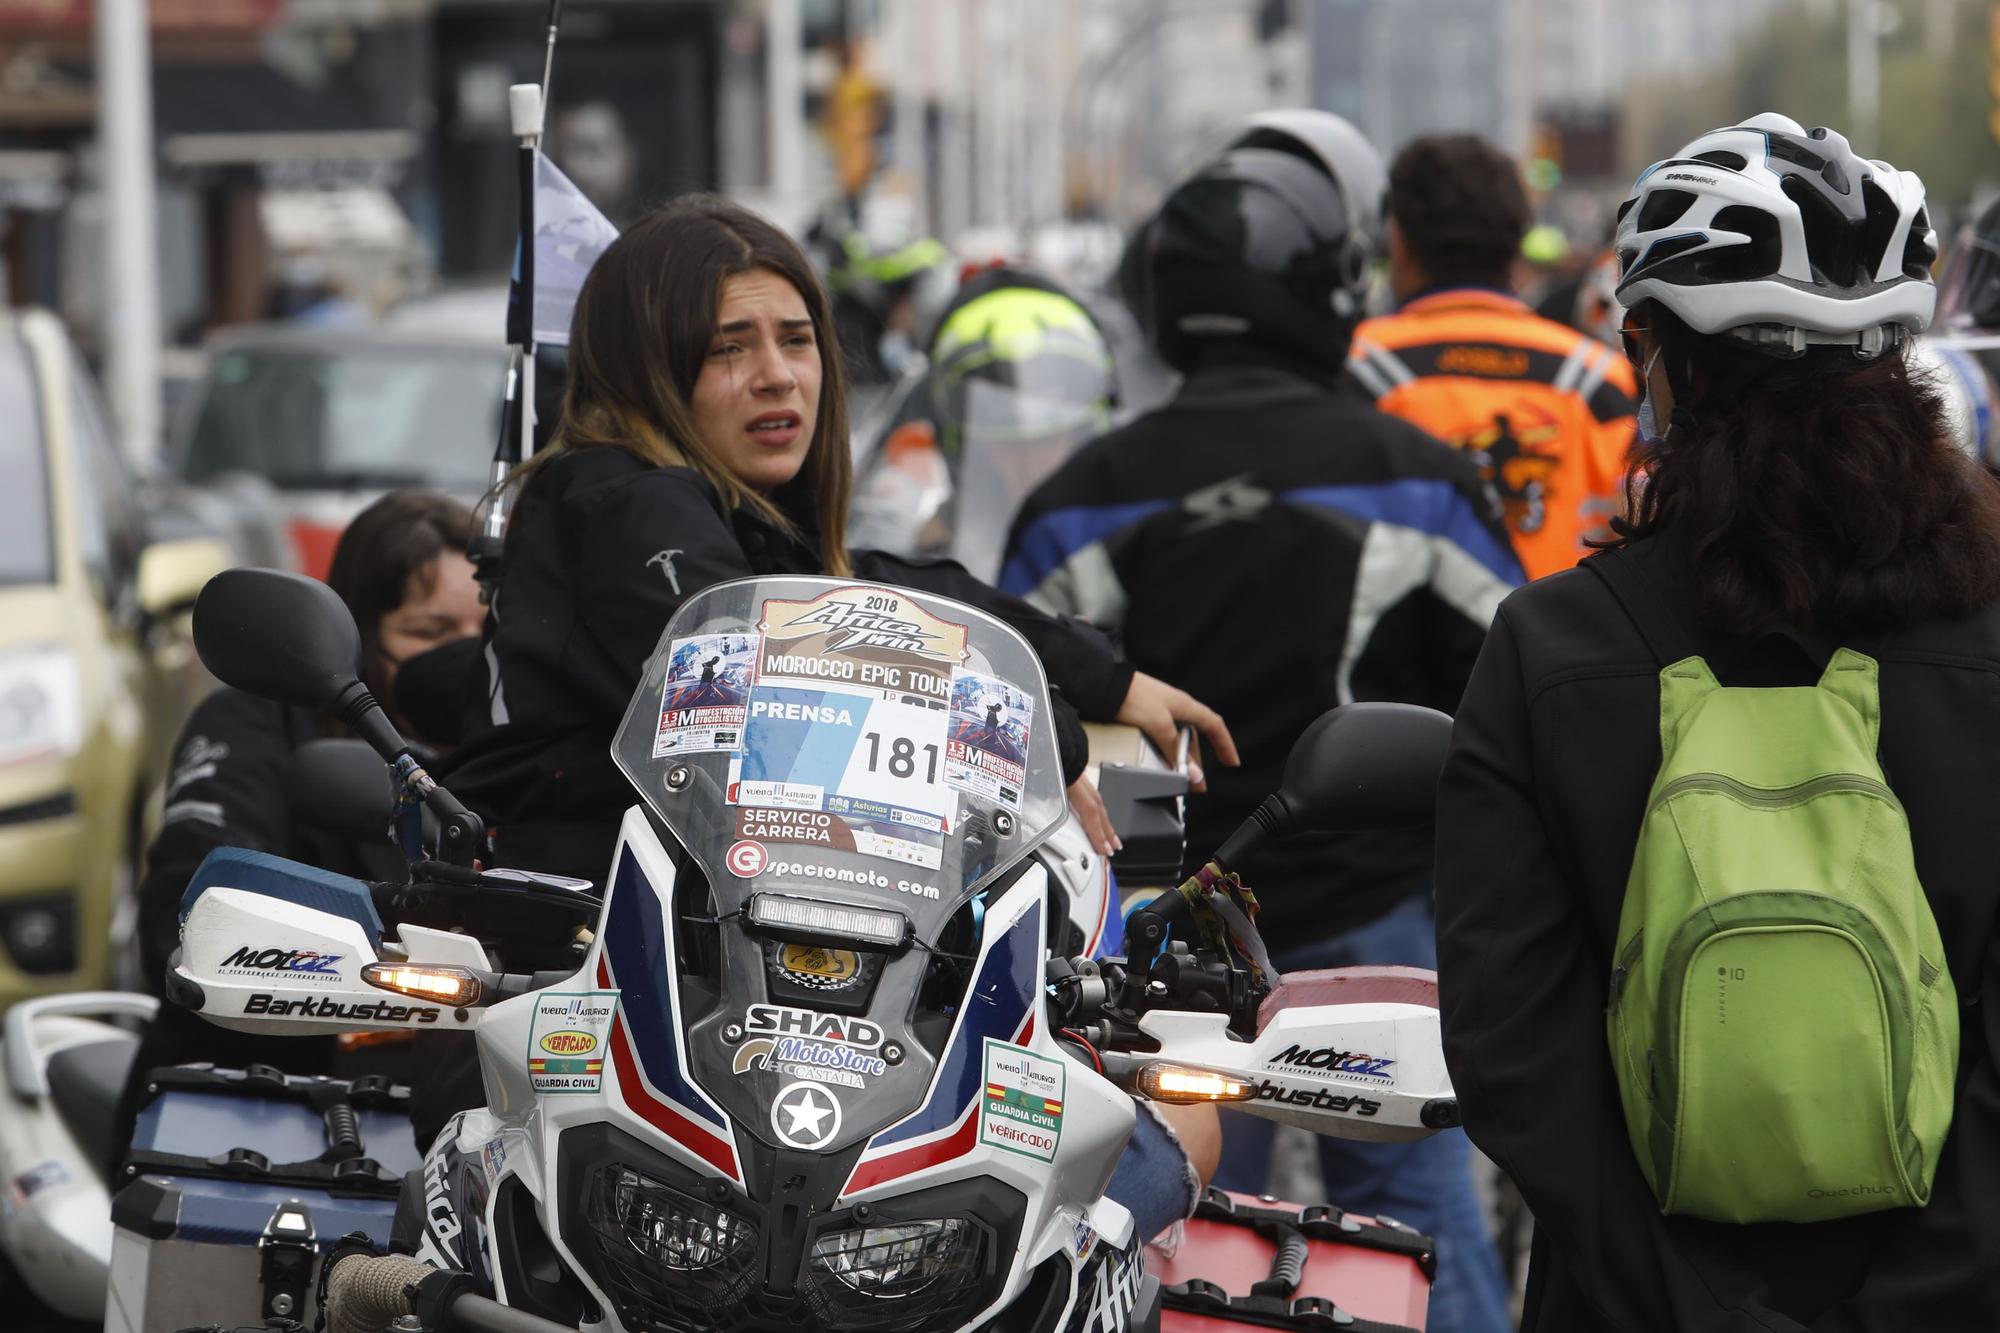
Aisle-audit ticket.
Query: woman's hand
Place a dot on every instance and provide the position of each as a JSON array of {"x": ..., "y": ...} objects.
[
  {"x": 1096, "y": 820},
  {"x": 1160, "y": 710}
]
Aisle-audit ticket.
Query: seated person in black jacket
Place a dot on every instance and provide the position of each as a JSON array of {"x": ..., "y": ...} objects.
[
  {"x": 401, "y": 568},
  {"x": 703, "y": 438}
]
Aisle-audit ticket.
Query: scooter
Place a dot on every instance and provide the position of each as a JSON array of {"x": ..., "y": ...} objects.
[{"x": 819, "y": 1065}]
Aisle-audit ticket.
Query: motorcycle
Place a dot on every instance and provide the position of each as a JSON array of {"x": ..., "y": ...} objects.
[{"x": 826, "y": 1058}]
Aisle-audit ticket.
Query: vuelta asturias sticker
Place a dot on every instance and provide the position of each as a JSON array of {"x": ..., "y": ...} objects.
[
  {"x": 567, "y": 1038},
  {"x": 701, "y": 700},
  {"x": 1021, "y": 1106}
]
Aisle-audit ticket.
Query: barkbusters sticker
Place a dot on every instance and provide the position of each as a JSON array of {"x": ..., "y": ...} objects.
[
  {"x": 566, "y": 1041},
  {"x": 1021, "y": 1107}
]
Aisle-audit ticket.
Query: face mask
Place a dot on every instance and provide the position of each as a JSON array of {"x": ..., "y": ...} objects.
[{"x": 1649, "y": 426}]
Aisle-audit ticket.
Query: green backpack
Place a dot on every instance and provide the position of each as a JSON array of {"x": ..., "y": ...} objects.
[{"x": 1782, "y": 1027}]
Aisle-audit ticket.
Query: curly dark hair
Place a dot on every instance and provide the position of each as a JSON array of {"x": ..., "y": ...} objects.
[
  {"x": 1461, "y": 208},
  {"x": 1822, "y": 493}
]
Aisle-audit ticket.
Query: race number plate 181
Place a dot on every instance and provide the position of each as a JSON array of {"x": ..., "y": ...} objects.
[{"x": 845, "y": 751}]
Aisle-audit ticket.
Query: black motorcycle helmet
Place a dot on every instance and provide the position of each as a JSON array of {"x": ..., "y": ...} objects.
[{"x": 1257, "y": 248}]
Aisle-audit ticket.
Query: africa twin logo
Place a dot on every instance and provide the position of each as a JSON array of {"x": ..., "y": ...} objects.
[{"x": 849, "y": 626}]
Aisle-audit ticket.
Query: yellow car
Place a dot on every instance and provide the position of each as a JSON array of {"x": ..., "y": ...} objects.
[{"x": 96, "y": 674}]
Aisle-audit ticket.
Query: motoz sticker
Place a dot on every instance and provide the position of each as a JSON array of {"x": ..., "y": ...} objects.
[
  {"x": 815, "y": 965},
  {"x": 299, "y": 964},
  {"x": 746, "y": 860},
  {"x": 878, "y": 638},
  {"x": 777, "y": 1020},
  {"x": 813, "y": 1061},
  {"x": 805, "y": 1115},
  {"x": 1021, "y": 1106},
  {"x": 567, "y": 1038},
  {"x": 1333, "y": 1062},
  {"x": 1316, "y": 1099},
  {"x": 986, "y": 747},
  {"x": 701, "y": 699}
]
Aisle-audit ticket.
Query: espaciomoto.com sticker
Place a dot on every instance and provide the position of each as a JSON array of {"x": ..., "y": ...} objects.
[
  {"x": 567, "y": 1039},
  {"x": 1021, "y": 1104}
]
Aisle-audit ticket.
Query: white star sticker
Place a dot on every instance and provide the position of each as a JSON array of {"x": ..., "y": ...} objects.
[{"x": 806, "y": 1116}]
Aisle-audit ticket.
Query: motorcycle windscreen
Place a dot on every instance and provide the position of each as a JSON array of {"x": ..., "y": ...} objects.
[{"x": 847, "y": 764}]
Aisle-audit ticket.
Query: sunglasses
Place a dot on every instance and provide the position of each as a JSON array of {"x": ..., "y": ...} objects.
[{"x": 1631, "y": 344}]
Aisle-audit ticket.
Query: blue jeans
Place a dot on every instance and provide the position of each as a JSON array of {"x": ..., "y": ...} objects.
[{"x": 1426, "y": 1183}]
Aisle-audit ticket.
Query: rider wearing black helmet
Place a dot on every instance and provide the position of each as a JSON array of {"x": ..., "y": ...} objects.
[{"x": 1290, "y": 548}]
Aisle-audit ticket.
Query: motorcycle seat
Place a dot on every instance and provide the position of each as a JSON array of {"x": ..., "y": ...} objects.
[{"x": 85, "y": 1082}]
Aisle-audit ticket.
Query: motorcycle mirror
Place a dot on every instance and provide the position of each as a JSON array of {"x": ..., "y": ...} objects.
[
  {"x": 279, "y": 636},
  {"x": 291, "y": 639},
  {"x": 1358, "y": 766}
]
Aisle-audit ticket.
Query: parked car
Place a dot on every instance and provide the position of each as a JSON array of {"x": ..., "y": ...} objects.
[
  {"x": 96, "y": 670},
  {"x": 300, "y": 429}
]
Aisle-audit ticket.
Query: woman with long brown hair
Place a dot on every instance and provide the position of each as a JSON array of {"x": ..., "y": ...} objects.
[
  {"x": 1798, "y": 510},
  {"x": 703, "y": 438}
]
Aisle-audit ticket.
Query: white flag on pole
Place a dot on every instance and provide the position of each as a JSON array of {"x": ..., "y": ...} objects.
[{"x": 569, "y": 236}]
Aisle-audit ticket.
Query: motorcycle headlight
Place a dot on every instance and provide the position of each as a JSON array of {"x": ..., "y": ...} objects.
[
  {"x": 664, "y": 1257},
  {"x": 892, "y": 1261}
]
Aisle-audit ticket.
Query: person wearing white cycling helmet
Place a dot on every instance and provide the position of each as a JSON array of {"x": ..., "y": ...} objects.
[{"x": 1798, "y": 493}]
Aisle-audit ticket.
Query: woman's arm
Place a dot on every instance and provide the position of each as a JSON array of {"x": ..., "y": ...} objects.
[
  {"x": 1521, "y": 986},
  {"x": 642, "y": 546}
]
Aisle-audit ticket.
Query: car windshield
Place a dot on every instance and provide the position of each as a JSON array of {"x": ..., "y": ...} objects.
[
  {"x": 845, "y": 744},
  {"x": 27, "y": 551},
  {"x": 395, "y": 414}
]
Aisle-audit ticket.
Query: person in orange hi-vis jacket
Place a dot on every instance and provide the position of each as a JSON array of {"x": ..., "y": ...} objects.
[{"x": 1547, "y": 411}]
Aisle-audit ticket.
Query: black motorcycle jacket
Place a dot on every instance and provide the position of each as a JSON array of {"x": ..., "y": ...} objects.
[
  {"x": 602, "y": 550},
  {"x": 1554, "y": 753},
  {"x": 1275, "y": 548}
]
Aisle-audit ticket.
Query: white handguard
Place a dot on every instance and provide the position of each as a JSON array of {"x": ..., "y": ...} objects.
[
  {"x": 262, "y": 964},
  {"x": 1365, "y": 1069}
]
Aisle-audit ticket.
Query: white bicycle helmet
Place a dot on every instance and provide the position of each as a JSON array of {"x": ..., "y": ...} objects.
[{"x": 1781, "y": 237}]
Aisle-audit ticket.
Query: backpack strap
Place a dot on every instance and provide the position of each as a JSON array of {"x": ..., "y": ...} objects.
[{"x": 1666, "y": 634}]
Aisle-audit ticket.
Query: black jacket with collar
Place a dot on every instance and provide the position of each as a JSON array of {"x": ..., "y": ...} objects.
[
  {"x": 1273, "y": 544},
  {"x": 1555, "y": 749},
  {"x": 602, "y": 550}
]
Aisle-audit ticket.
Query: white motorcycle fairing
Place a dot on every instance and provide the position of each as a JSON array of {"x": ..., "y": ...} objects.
[{"x": 1073, "y": 1247}]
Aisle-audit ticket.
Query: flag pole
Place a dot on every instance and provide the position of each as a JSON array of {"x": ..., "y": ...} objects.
[{"x": 526, "y": 104}]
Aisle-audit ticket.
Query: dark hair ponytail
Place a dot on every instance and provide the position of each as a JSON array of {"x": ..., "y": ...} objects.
[{"x": 1818, "y": 492}]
